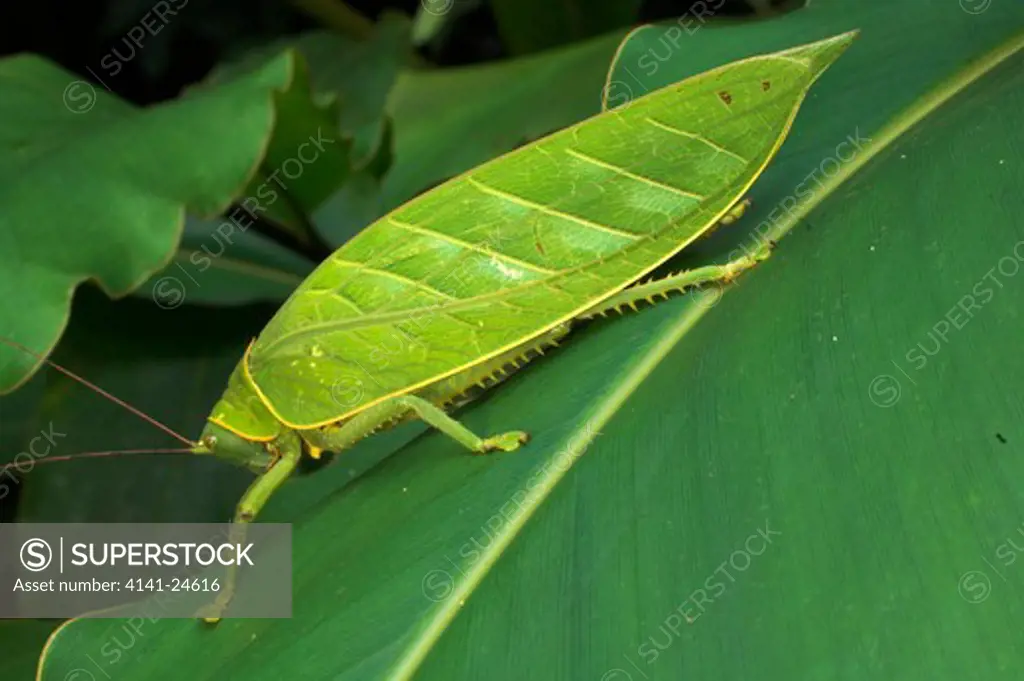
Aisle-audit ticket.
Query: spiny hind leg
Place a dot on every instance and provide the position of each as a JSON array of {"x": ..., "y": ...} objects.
[
  {"x": 369, "y": 420},
  {"x": 649, "y": 291}
]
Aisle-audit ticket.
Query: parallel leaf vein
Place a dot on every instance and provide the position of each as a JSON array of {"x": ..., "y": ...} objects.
[
  {"x": 470, "y": 246},
  {"x": 548, "y": 210},
  {"x": 395, "y": 276},
  {"x": 338, "y": 296},
  {"x": 694, "y": 136},
  {"x": 633, "y": 176},
  {"x": 803, "y": 63}
]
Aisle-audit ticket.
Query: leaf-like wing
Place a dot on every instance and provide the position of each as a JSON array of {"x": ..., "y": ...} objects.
[{"x": 497, "y": 256}]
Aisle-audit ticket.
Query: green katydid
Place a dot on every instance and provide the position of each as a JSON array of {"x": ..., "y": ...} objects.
[{"x": 446, "y": 293}]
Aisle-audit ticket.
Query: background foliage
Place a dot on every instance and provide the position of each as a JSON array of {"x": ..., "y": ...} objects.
[{"x": 799, "y": 405}]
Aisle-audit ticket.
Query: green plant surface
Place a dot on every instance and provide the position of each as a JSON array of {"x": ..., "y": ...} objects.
[
  {"x": 125, "y": 177},
  {"x": 794, "y": 494},
  {"x": 674, "y": 442}
]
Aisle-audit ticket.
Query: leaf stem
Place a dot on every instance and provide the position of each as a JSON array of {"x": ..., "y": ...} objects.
[{"x": 310, "y": 245}]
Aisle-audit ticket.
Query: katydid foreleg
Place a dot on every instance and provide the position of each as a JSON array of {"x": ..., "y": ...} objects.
[{"x": 290, "y": 450}]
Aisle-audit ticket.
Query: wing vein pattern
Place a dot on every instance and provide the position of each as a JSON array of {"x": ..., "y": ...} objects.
[{"x": 496, "y": 257}]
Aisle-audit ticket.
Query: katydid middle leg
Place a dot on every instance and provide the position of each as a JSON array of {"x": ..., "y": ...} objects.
[
  {"x": 365, "y": 422},
  {"x": 734, "y": 213},
  {"x": 731, "y": 216}
]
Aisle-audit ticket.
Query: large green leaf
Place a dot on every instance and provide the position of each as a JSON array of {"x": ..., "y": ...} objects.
[
  {"x": 787, "y": 414},
  {"x": 747, "y": 420},
  {"x": 124, "y": 178}
]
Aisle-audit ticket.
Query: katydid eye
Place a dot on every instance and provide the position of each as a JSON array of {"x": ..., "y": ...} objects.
[{"x": 210, "y": 441}]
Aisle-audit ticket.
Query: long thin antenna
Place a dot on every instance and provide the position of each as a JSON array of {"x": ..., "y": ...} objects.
[
  {"x": 94, "y": 455},
  {"x": 101, "y": 391}
]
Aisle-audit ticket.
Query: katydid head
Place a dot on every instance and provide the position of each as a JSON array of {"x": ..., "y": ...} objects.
[{"x": 222, "y": 443}]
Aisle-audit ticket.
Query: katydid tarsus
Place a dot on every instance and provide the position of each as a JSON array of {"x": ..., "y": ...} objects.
[{"x": 482, "y": 273}]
